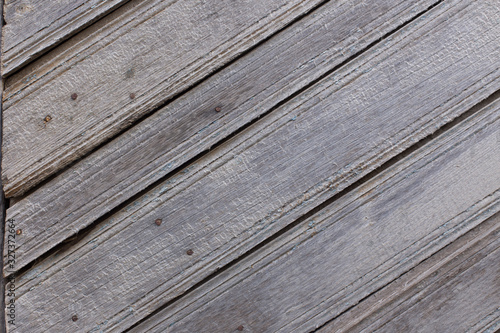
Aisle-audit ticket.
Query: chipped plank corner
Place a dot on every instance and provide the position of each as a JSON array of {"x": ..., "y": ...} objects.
[{"x": 250, "y": 166}]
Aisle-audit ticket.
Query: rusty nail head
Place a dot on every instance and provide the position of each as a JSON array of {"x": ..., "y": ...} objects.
[
  {"x": 19, "y": 231},
  {"x": 47, "y": 118},
  {"x": 218, "y": 109},
  {"x": 189, "y": 252},
  {"x": 74, "y": 96},
  {"x": 132, "y": 95},
  {"x": 74, "y": 318},
  {"x": 158, "y": 222},
  {"x": 240, "y": 328}
]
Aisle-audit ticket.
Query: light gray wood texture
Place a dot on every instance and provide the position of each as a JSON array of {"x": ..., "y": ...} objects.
[
  {"x": 2, "y": 209},
  {"x": 35, "y": 26},
  {"x": 286, "y": 164},
  {"x": 357, "y": 244},
  {"x": 155, "y": 50},
  {"x": 186, "y": 127},
  {"x": 455, "y": 290}
]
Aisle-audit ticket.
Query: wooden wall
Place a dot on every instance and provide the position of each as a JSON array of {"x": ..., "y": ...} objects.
[{"x": 252, "y": 165}]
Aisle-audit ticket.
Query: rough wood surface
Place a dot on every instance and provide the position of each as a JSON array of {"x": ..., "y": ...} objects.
[
  {"x": 158, "y": 49},
  {"x": 284, "y": 165},
  {"x": 2, "y": 209},
  {"x": 359, "y": 243},
  {"x": 35, "y": 26},
  {"x": 186, "y": 127},
  {"x": 455, "y": 290}
]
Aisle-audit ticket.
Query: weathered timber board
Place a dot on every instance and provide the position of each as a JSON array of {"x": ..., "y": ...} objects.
[
  {"x": 357, "y": 244},
  {"x": 156, "y": 55},
  {"x": 263, "y": 179},
  {"x": 3, "y": 286},
  {"x": 35, "y": 26},
  {"x": 455, "y": 290},
  {"x": 183, "y": 129}
]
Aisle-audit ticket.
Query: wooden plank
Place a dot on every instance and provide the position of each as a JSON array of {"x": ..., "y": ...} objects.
[
  {"x": 36, "y": 26},
  {"x": 183, "y": 129},
  {"x": 2, "y": 212},
  {"x": 452, "y": 291},
  {"x": 357, "y": 244},
  {"x": 277, "y": 170},
  {"x": 138, "y": 57}
]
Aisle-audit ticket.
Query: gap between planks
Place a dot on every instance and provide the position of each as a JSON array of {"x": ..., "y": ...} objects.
[
  {"x": 274, "y": 125},
  {"x": 297, "y": 273},
  {"x": 34, "y": 28},
  {"x": 317, "y": 209},
  {"x": 412, "y": 287},
  {"x": 3, "y": 206},
  {"x": 99, "y": 187},
  {"x": 134, "y": 55}
]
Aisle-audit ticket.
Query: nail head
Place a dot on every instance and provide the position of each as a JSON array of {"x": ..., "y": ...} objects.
[
  {"x": 47, "y": 118},
  {"x": 74, "y": 96},
  {"x": 189, "y": 252},
  {"x": 218, "y": 109},
  {"x": 240, "y": 328},
  {"x": 19, "y": 231},
  {"x": 74, "y": 318},
  {"x": 158, "y": 222},
  {"x": 132, "y": 95}
]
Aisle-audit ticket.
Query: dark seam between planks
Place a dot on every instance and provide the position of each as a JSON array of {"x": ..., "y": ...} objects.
[
  {"x": 317, "y": 209},
  {"x": 350, "y": 188},
  {"x": 445, "y": 128},
  {"x": 3, "y": 203},
  {"x": 185, "y": 91},
  {"x": 60, "y": 18},
  {"x": 406, "y": 297},
  {"x": 66, "y": 244},
  {"x": 72, "y": 56},
  {"x": 114, "y": 210},
  {"x": 39, "y": 30},
  {"x": 43, "y": 52},
  {"x": 3, "y": 214},
  {"x": 81, "y": 206},
  {"x": 468, "y": 262},
  {"x": 126, "y": 125},
  {"x": 465, "y": 262}
]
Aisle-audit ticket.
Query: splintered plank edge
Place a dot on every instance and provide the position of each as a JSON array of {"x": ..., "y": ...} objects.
[
  {"x": 457, "y": 281},
  {"x": 36, "y": 26},
  {"x": 45, "y": 128},
  {"x": 356, "y": 245},
  {"x": 261, "y": 180},
  {"x": 150, "y": 151}
]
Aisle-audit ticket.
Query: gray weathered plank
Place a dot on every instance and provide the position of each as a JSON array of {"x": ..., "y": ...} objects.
[
  {"x": 263, "y": 179},
  {"x": 184, "y": 128},
  {"x": 2, "y": 209},
  {"x": 359, "y": 243},
  {"x": 36, "y": 26},
  {"x": 455, "y": 290},
  {"x": 153, "y": 52}
]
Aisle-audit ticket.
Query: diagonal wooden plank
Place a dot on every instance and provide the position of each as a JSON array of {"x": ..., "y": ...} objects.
[
  {"x": 154, "y": 51},
  {"x": 183, "y": 129},
  {"x": 274, "y": 172},
  {"x": 454, "y": 290},
  {"x": 357, "y": 244},
  {"x": 2, "y": 212},
  {"x": 36, "y": 26}
]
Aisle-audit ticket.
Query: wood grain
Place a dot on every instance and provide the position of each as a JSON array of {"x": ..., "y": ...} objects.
[
  {"x": 155, "y": 51},
  {"x": 300, "y": 155},
  {"x": 359, "y": 243},
  {"x": 180, "y": 131},
  {"x": 33, "y": 27},
  {"x": 2, "y": 210},
  {"x": 454, "y": 290}
]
